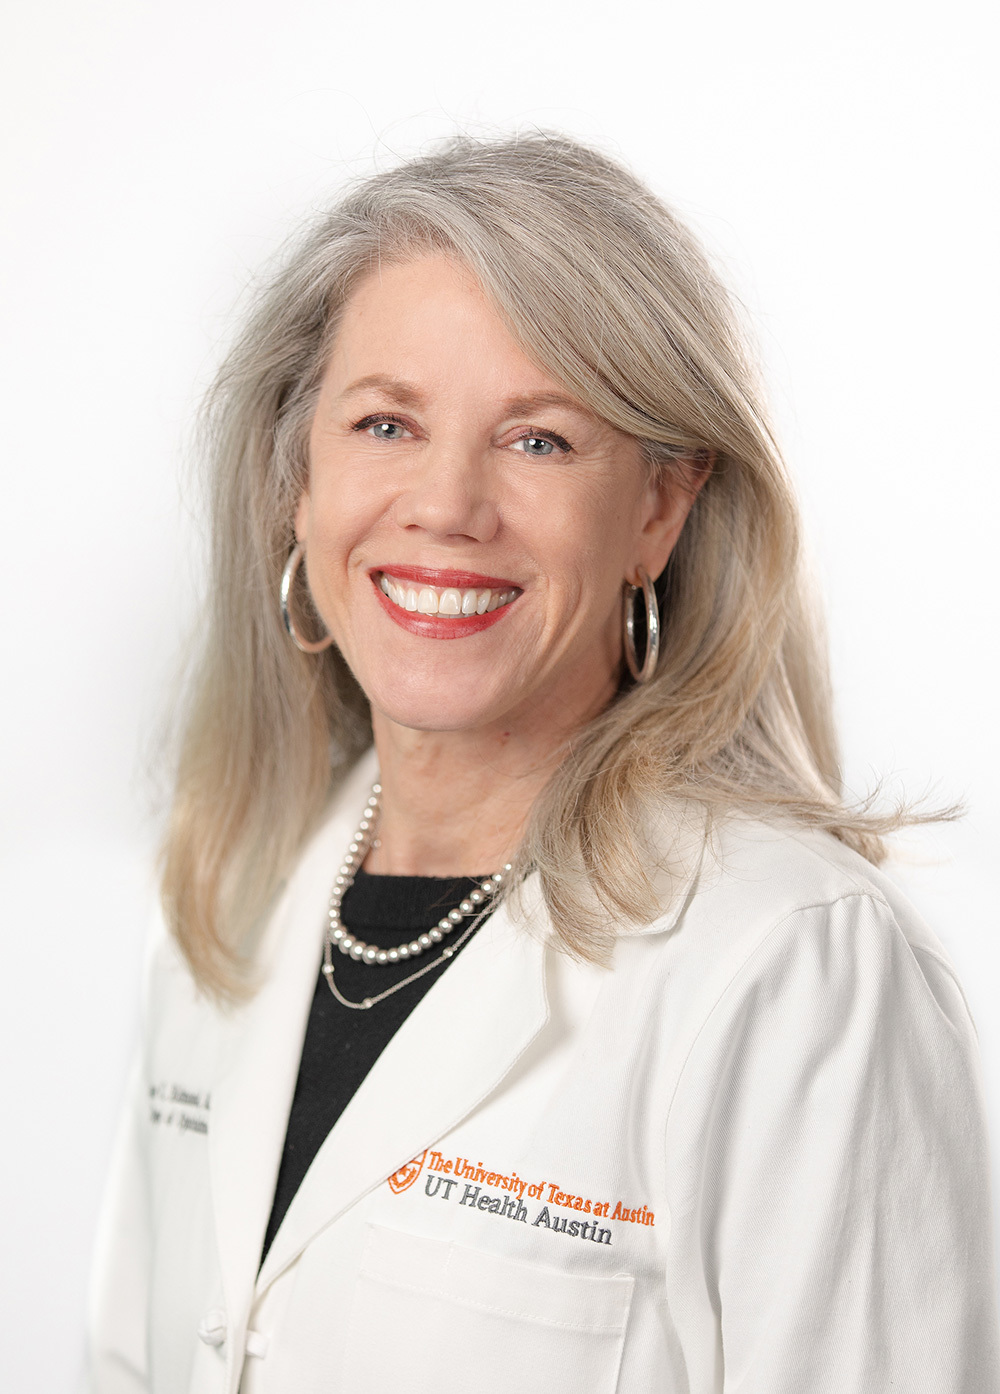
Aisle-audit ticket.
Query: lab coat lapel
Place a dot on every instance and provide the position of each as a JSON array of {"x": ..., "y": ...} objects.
[
  {"x": 454, "y": 1049},
  {"x": 261, "y": 1049}
]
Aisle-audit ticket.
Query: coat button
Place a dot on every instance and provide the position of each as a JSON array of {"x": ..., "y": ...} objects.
[
  {"x": 212, "y": 1328},
  {"x": 257, "y": 1344}
]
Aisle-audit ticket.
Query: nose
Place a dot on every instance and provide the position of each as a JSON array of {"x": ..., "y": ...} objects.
[{"x": 450, "y": 493}]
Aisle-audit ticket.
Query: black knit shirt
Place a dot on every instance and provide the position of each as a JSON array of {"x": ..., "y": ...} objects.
[{"x": 342, "y": 1045}]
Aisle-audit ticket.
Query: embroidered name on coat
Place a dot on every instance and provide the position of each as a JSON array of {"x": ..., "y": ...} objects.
[{"x": 175, "y": 1106}]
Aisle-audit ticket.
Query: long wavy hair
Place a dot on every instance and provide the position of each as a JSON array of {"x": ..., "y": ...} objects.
[{"x": 611, "y": 295}]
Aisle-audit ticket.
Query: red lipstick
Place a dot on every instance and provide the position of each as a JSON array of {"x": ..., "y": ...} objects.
[
  {"x": 435, "y": 626},
  {"x": 431, "y": 576}
]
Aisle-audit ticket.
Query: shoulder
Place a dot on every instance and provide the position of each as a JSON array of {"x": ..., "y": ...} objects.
[
  {"x": 754, "y": 875},
  {"x": 824, "y": 1110},
  {"x": 785, "y": 915}
]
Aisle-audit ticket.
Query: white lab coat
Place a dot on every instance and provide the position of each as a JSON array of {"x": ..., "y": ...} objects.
[{"x": 749, "y": 1158}]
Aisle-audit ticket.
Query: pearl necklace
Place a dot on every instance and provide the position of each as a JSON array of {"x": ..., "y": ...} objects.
[{"x": 479, "y": 902}]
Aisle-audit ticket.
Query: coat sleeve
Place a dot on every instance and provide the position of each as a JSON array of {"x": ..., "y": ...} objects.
[
  {"x": 116, "y": 1339},
  {"x": 117, "y": 1317},
  {"x": 829, "y": 1167}
]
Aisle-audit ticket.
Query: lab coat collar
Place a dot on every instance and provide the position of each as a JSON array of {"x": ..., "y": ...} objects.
[
  {"x": 451, "y": 1052},
  {"x": 262, "y": 1045},
  {"x": 677, "y": 847},
  {"x": 674, "y": 847}
]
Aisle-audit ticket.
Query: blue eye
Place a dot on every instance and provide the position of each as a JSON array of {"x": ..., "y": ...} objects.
[
  {"x": 537, "y": 445},
  {"x": 381, "y": 427},
  {"x": 386, "y": 430}
]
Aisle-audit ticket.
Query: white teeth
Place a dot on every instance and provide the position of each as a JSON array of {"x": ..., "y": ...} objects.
[{"x": 450, "y": 601}]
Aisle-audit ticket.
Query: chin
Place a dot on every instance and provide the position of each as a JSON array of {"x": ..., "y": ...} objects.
[
  {"x": 438, "y": 707},
  {"x": 415, "y": 718}
]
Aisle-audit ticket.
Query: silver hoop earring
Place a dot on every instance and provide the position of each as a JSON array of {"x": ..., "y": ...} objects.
[
  {"x": 644, "y": 672},
  {"x": 287, "y": 581}
]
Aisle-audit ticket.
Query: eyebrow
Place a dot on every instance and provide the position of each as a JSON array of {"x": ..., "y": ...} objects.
[
  {"x": 408, "y": 395},
  {"x": 525, "y": 406},
  {"x": 402, "y": 392}
]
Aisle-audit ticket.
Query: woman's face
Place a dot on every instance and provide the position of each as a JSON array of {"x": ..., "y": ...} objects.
[{"x": 468, "y": 525}]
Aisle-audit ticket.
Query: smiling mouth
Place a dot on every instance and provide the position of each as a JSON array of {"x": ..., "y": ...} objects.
[{"x": 446, "y": 602}]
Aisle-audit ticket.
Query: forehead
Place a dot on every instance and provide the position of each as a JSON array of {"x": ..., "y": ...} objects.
[
  {"x": 429, "y": 320},
  {"x": 415, "y": 288}
]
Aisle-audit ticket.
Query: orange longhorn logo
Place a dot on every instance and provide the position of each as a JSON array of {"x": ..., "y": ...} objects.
[{"x": 404, "y": 1178}]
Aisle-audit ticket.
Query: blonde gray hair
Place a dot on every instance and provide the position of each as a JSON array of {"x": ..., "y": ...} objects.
[{"x": 608, "y": 292}]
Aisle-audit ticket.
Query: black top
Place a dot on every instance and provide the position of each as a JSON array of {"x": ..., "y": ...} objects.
[{"x": 341, "y": 1045}]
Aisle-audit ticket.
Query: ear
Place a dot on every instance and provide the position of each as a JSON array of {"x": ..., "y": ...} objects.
[
  {"x": 666, "y": 503},
  {"x": 302, "y": 517}
]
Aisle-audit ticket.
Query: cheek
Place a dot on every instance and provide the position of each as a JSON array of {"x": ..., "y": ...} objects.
[
  {"x": 343, "y": 507},
  {"x": 334, "y": 521},
  {"x": 590, "y": 542}
]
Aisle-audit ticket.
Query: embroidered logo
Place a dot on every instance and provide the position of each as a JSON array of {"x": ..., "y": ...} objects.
[
  {"x": 404, "y": 1178},
  {"x": 467, "y": 1180}
]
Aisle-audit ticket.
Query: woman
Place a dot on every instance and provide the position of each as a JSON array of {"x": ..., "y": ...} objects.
[{"x": 532, "y": 1014}]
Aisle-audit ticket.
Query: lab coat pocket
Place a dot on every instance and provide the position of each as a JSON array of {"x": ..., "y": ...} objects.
[{"x": 429, "y": 1315}]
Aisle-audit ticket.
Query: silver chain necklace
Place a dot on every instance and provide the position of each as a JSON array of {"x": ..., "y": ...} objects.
[{"x": 478, "y": 903}]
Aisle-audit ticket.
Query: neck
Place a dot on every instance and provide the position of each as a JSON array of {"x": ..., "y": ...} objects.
[{"x": 454, "y": 803}]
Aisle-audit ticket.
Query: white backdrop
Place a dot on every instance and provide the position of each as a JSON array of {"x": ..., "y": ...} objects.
[{"x": 153, "y": 155}]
